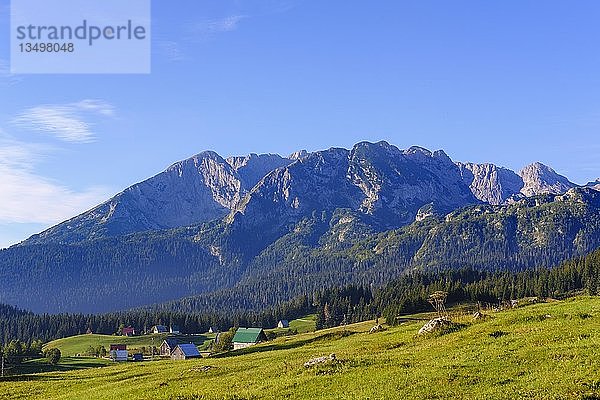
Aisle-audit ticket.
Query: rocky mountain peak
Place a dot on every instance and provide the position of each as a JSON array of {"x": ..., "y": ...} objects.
[
  {"x": 377, "y": 181},
  {"x": 421, "y": 154},
  {"x": 541, "y": 179},
  {"x": 201, "y": 188},
  {"x": 298, "y": 155},
  {"x": 418, "y": 152}
]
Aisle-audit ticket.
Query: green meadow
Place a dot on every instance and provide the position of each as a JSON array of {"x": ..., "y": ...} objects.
[
  {"x": 75, "y": 345},
  {"x": 300, "y": 325},
  {"x": 542, "y": 351}
]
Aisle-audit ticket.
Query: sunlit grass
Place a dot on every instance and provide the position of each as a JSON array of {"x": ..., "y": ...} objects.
[{"x": 542, "y": 351}]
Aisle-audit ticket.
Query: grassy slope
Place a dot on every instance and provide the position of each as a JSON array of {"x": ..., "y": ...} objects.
[
  {"x": 66, "y": 364},
  {"x": 302, "y": 325},
  {"x": 544, "y": 351}
]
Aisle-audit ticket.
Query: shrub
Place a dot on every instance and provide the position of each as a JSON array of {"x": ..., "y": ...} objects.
[
  {"x": 53, "y": 356},
  {"x": 224, "y": 341}
]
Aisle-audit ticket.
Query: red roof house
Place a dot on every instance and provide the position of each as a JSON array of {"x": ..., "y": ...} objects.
[{"x": 129, "y": 331}]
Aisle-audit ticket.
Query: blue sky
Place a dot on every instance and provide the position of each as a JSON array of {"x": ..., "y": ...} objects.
[{"x": 507, "y": 82}]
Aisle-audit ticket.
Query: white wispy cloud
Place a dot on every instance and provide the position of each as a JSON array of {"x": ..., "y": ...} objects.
[
  {"x": 99, "y": 106},
  {"x": 27, "y": 197},
  {"x": 195, "y": 32},
  {"x": 205, "y": 29},
  {"x": 15, "y": 154},
  {"x": 226, "y": 24},
  {"x": 68, "y": 122}
]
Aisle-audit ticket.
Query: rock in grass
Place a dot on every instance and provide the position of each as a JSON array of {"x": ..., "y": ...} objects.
[
  {"x": 320, "y": 360},
  {"x": 479, "y": 315},
  {"x": 435, "y": 325}
]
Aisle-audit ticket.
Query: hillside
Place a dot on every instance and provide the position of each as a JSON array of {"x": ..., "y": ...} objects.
[
  {"x": 542, "y": 351},
  {"x": 337, "y": 250},
  {"x": 326, "y": 249}
]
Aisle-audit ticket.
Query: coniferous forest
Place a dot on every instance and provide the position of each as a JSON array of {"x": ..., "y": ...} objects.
[
  {"x": 333, "y": 306},
  {"x": 213, "y": 267}
]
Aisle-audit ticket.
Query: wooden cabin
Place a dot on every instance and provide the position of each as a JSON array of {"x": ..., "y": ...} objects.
[
  {"x": 185, "y": 351},
  {"x": 167, "y": 347}
]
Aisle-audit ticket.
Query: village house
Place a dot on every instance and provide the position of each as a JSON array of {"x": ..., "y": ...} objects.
[
  {"x": 284, "y": 323},
  {"x": 167, "y": 346},
  {"x": 185, "y": 351},
  {"x": 160, "y": 329},
  {"x": 129, "y": 331},
  {"x": 118, "y": 352},
  {"x": 213, "y": 329},
  {"x": 246, "y": 337},
  {"x": 174, "y": 329}
]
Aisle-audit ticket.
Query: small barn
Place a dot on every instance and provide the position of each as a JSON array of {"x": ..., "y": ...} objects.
[
  {"x": 185, "y": 351},
  {"x": 160, "y": 329},
  {"x": 129, "y": 331},
  {"x": 284, "y": 323},
  {"x": 167, "y": 346},
  {"x": 246, "y": 337},
  {"x": 213, "y": 329},
  {"x": 175, "y": 329}
]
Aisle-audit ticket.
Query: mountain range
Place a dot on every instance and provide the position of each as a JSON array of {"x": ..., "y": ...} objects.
[
  {"x": 215, "y": 229},
  {"x": 376, "y": 179}
]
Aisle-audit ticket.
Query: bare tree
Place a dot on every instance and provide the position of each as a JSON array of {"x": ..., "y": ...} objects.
[{"x": 438, "y": 301}]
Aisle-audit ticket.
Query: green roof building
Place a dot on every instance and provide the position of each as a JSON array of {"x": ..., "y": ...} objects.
[{"x": 245, "y": 337}]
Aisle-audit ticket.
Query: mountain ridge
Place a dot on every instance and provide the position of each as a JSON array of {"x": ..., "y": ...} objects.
[{"x": 207, "y": 186}]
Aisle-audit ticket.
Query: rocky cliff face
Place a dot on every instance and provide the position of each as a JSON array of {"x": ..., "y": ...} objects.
[
  {"x": 396, "y": 183},
  {"x": 386, "y": 185},
  {"x": 496, "y": 185},
  {"x": 541, "y": 179},
  {"x": 252, "y": 168},
  {"x": 297, "y": 155},
  {"x": 202, "y": 188},
  {"x": 594, "y": 185},
  {"x": 375, "y": 179},
  {"x": 490, "y": 183}
]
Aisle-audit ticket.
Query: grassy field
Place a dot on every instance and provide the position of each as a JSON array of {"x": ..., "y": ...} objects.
[
  {"x": 40, "y": 365},
  {"x": 302, "y": 325},
  {"x": 74, "y": 345},
  {"x": 542, "y": 351}
]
